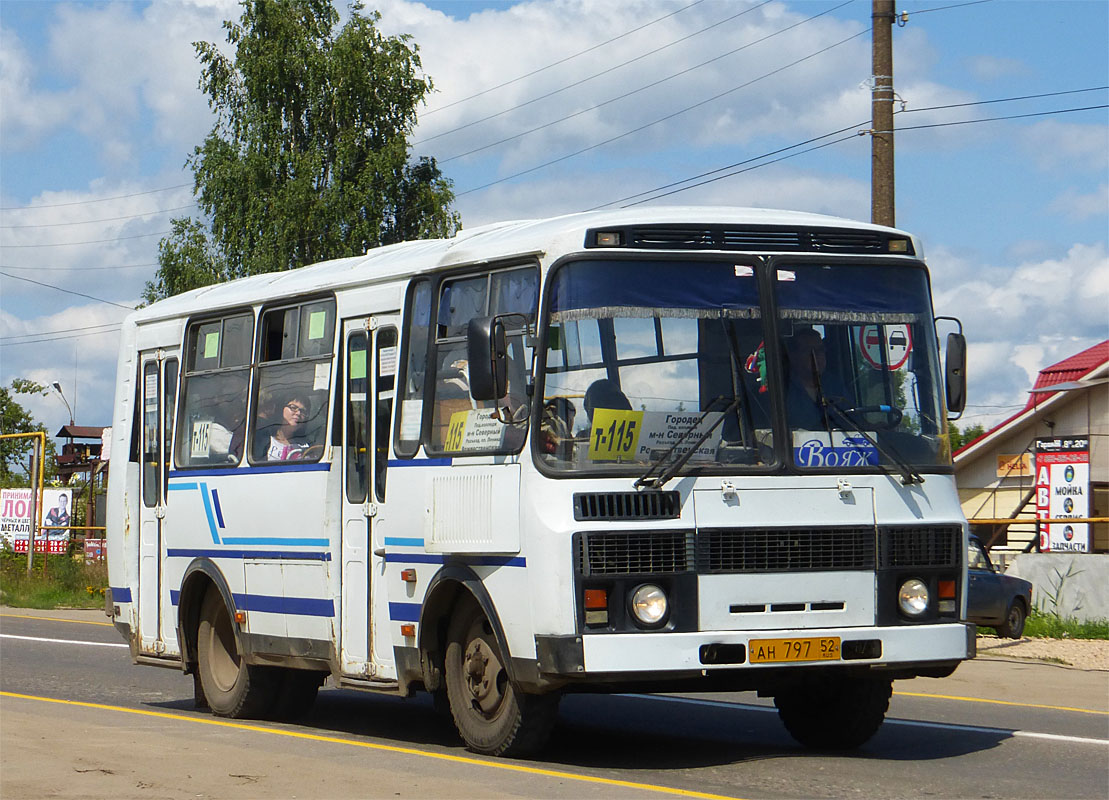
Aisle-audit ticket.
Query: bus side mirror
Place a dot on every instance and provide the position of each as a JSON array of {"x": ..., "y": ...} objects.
[
  {"x": 956, "y": 368},
  {"x": 487, "y": 352}
]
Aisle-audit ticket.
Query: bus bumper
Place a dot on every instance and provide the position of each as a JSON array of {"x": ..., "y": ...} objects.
[{"x": 636, "y": 654}]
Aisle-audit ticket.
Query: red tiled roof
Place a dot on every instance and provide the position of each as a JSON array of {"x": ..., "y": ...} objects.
[{"x": 1069, "y": 369}]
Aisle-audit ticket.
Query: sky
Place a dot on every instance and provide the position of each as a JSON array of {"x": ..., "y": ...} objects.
[{"x": 555, "y": 106}]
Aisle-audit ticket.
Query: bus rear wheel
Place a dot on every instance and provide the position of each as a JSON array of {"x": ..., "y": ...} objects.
[
  {"x": 232, "y": 687},
  {"x": 834, "y": 712},
  {"x": 493, "y": 716}
]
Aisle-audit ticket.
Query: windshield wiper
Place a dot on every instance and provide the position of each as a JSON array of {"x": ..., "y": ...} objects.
[
  {"x": 909, "y": 476},
  {"x": 646, "y": 480}
]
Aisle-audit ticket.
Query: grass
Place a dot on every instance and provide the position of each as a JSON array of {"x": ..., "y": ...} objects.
[
  {"x": 56, "y": 581},
  {"x": 1041, "y": 625}
]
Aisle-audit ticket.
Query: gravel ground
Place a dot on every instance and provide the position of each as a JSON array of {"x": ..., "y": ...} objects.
[{"x": 1078, "y": 653}]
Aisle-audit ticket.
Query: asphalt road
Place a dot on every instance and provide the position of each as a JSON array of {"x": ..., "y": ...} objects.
[{"x": 78, "y": 720}]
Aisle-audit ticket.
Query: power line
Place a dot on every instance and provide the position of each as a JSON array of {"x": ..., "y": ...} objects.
[
  {"x": 77, "y": 269},
  {"x": 105, "y": 219},
  {"x": 562, "y": 60},
  {"x": 98, "y": 200},
  {"x": 112, "y": 325},
  {"x": 945, "y": 8},
  {"x": 816, "y": 139},
  {"x": 741, "y": 171},
  {"x": 729, "y": 166},
  {"x": 662, "y": 119},
  {"x": 68, "y": 291},
  {"x": 997, "y": 119},
  {"x": 1004, "y": 100},
  {"x": 650, "y": 86},
  {"x": 94, "y": 241},
  {"x": 58, "y": 338},
  {"x": 622, "y": 64}
]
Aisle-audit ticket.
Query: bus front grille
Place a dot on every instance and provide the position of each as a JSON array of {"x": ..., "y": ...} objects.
[
  {"x": 920, "y": 546},
  {"x": 634, "y": 552},
  {"x": 626, "y": 505},
  {"x": 785, "y": 549}
]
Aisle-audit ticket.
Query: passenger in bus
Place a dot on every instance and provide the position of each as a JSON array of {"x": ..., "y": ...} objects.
[
  {"x": 807, "y": 362},
  {"x": 603, "y": 393},
  {"x": 281, "y": 435}
]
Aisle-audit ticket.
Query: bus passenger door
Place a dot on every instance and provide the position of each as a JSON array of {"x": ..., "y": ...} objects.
[{"x": 157, "y": 622}]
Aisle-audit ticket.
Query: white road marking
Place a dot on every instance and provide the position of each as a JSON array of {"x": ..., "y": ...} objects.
[
  {"x": 60, "y": 641},
  {"x": 1054, "y": 737}
]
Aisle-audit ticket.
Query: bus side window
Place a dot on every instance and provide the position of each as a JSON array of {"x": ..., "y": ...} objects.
[
  {"x": 294, "y": 381},
  {"x": 418, "y": 320},
  {"x": 386, "y": 379},
  {"x": 211, "y": 419},
  {"x": 453, "y": 425}
]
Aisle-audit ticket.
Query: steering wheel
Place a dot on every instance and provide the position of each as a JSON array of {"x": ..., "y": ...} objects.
[{"x": 892, "y": 420}]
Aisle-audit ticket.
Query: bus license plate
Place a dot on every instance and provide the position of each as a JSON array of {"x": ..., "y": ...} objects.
[{"x": 773, "y": 651}]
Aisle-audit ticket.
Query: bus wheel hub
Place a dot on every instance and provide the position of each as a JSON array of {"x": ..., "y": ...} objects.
[{"x": 482, "y": 668}]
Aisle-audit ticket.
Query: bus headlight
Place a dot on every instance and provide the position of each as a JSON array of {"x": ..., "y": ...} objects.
[
  {"x": 649, "y": 604},
  {"x": 913, "y": 597}
]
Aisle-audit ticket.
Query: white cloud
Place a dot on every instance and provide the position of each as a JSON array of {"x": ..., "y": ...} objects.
[
  {"x": 1021, "y": 319},
  {"x": 992, "y": 68},
  {"x": 1078, "y": 147},
  {"x": 1078, "y": 206}
]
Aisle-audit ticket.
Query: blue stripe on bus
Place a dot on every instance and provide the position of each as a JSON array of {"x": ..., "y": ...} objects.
[
  {"x": 278, "y": 540},
  {"x": 120, "y": 594},
  {"x": 288, "y": 466},
  {"x": 414, "y": 558},
  {"x": 420, "y": 462},
  {"x": 239, "y": 554},
  {"x": 219, "y": 511},
  {"x": 297, "y": 606},
  {"x": 479, "y": 561},
  {"x": 404, "y": 612},
  {"x": 182, "y": 487},
  {"x": 208, "y": 512},
  {"x": 397, "y": 541}
]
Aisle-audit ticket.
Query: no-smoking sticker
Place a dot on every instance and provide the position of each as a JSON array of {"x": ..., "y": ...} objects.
[{"x": 899, "y": 343}]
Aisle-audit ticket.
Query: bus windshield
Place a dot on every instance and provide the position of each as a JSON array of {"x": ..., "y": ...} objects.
[{"x": 657, "y": 363}]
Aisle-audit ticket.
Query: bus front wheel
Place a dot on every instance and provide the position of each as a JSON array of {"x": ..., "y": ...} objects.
[
  {"x": 491, "y": 714},
  {"x": 232, "y": 687},
  {"x": 834, "y": 713}
]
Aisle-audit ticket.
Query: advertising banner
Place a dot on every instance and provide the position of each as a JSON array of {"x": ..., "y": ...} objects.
[
  {"x": 1063, "y": 491},
  {"x": 15, "y": 520}
]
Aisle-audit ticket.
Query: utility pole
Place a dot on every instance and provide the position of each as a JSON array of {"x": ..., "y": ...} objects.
[{"x": 881, "y": 105}]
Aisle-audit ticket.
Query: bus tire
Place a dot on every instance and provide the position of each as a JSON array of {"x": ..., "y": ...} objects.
[
  {"x": 493, "y": 716},
  {"x": 836, "y": 712},
  {"x": 232, "y": 687}
]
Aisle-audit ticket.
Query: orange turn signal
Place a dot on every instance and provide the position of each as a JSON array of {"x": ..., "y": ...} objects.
[
  {"x": 240, "y": 617},
  {"x": 408, "y": 629},
  {"x": 947, "y": 590},
  {"x": 408, "y": 575},
  {"x": 596, "y": 599}
]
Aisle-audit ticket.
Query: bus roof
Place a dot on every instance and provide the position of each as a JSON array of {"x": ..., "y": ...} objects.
[{"x": 502, "y": 240}]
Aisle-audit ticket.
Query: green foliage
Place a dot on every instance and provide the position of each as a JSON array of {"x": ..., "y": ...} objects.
[
  {"x": 962, "y": 437},
  {"x": 1044, "y": 625},
  {"x": 308, "y": 159},
  {"x": 56, "y": 581},
  {"x": 15, "y": 453}
]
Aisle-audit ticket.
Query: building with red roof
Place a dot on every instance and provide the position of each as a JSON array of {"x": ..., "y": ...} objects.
[{"x": 995, "y": 472}]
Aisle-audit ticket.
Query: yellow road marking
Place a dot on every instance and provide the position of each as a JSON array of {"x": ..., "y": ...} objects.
[
  {"x": 57, "y": 619},
  {"x": 502, "y": 765},
  {"x": 1000, "y": 702}
]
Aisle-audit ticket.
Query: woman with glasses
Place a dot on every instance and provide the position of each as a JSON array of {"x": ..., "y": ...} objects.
[{"x": 285, "y": 424}]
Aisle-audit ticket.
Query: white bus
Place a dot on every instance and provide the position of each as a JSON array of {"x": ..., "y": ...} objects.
[{"x": 667, "y": 449}]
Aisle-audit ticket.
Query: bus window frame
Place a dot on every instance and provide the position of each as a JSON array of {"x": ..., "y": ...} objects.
[
  {"x": 185, "y": 373},
  {"x": 257, "y": 365},
  {"x": 435, "y": 341},
  {"x": 405, "y": 345}
]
